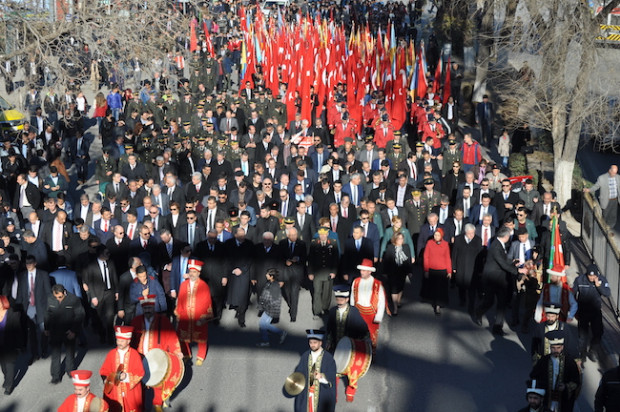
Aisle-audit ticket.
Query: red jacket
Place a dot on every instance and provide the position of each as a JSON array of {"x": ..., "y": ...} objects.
[
  {"x": 125, "y": 394},
  {"x": 471, "y": 154},
  {"x": 437, "y": 256},
  {"x": 70, "y": 404}
]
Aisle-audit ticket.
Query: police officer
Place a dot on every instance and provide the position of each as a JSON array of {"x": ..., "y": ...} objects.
[
  {"x": 322, "y": 267},
  {"x": 589, "y": 288}
]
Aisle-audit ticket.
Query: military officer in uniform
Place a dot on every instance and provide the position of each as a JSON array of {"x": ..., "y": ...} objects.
[
  {"x": 430, "y": 197},
  {"x": 323, "y": 264},
  {"x": 416, "y": 214},
  {"x": 104, "y": 168}
]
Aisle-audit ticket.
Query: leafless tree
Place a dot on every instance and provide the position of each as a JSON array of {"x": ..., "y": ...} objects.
[
  {"x": 557, "y": 91},
  {"x": 112, "y": 32}
]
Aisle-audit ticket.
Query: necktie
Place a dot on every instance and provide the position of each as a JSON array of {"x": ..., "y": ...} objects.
[
  {"x": 432, "y": 229},
  {"x": 485, "y": 238},
  {"x": 169, "y": 248},
  {"x": 337, "y": 198},
  {"x": 334, "y": 224},
  {"x": 458, "y": 228},
  {"x": 357, "y": 245},
  {"x": 106, "y": 275},
  {"x": 547, "y": 210},
  {"x": 130, "y": 234},
  {"x": 354, "y": 194},
  {"x": 144, "y": 244},
  {"x": 523, "y": 250},
  {"x": 116, "y": 187},
  {"x": 292, "y": 247},
  {"x": 345, "y": 213},
  {"x": 31, "y": 289},
  {"x": 190, "y": 236},
  {"x": 169, "y": 192},
  {"x": 105, "y": 228}
]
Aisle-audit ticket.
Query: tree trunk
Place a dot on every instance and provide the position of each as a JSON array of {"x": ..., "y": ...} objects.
[
  {"x": 485, "y": 41},
  {"x": 563, "y": 180}
]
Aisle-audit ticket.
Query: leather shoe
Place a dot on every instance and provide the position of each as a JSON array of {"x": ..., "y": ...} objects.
[
  {"x": 478, "y": 320},
  {"x": 293, "y": 319},
  {"x": 242, "y": 323},
  {"x": 55, "y": 381},
  {"x": 8, "y": 391}
]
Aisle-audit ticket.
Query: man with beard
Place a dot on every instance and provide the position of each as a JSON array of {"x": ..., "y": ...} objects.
[{"x": 558, "y": 374}]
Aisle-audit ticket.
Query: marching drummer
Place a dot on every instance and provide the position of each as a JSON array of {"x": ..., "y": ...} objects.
[
  {"x": 82, "y": 399},
  {"x": 122, "y": 374},
  {"x": 345, "y": 321},
  {"x": 368, "y": 295},
  {"x": 319, "y": 371},
  {"x": 154, "y": 331}
]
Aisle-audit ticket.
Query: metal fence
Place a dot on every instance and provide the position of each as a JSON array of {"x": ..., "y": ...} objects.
[{"x": 595, "y": 234}]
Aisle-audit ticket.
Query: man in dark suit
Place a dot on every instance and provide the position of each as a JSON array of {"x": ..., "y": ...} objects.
[
  {"x": 339, "y": 224},
  {"x": 117, "y": 187},
  {"x": 99, "y": 280},
  {"x": 145, "y": 244},
  {"x": 33, "y": 290},
  {"x": 212, "y": 251},
  {"x": 455, "y": 225},
  {"x": 126, "y": 308},
  {"x": 484, "y": 119},
  {"x": 191, "y": 232},
  {"x": 443, "y": 209},
  {"x": 286, "y": 206},
  {"x": 484, "y": 208},
  {"x": 356, "y": 249},
  {"x": 119, "y": 247},
  {"x": 294, "y": 252},
  {"x": 466, "y": 265},
  {"x": 498, "y": 274},
  {"x": 104, "y": 227},
  {"x": 486, "y": 231},
  {"x": 27, "y": 197},
  {"x": 466, "y": 202},
  {"x": 267, "y": 255},
  {"x": 543, "y": 208},
  {"x": 133, "y": 170},
  {"x": 426, "y": 232},
  {"x": 56, "y": 235},
  {"x": 174, "y": 219},
  {"x": 369, "y": 231},
  {"x": 390, "y": 211},
  {"x": 506, "y": 200},
  {"x": 239, "y": 261}
]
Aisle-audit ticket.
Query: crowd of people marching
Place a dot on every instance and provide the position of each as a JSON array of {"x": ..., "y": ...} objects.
[{"x": 210, "y": 193}]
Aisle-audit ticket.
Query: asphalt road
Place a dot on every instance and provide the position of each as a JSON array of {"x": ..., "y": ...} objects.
[{"x": 423, "y": 363}]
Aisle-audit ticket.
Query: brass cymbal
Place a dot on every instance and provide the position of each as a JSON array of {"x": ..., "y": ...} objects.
[{"x": 295, "y": 383}]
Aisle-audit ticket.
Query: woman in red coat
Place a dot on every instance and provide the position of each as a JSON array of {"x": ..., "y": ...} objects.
[{"x": 437, "y": 271}]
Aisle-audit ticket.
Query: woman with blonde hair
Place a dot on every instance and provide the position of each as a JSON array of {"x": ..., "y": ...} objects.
[
  {"x": 397, "y": 227},
  {"x": 397, "y": 264}
]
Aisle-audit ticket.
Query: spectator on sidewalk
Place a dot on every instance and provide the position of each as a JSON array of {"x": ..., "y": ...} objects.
[{"x": 608, "y": 185}]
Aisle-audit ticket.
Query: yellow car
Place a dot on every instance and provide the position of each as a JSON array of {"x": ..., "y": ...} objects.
[{"x": 11, "y": 120}]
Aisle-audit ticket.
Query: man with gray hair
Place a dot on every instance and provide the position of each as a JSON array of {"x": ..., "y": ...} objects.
[
  {"x": 267, "y": 255},
  {"x": 466, "y": 265},
  {"x": 498, "y": 275}
]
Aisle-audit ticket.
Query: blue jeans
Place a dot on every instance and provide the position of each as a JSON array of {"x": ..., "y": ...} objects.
[
  {"x": 116, "y": 113},
  {"x": 265, "y": 326}
]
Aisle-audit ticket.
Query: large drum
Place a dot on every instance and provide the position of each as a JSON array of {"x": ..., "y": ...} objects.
[
  {"x": 163, "y": 369},
  {"x": 353, "y": 357}
]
